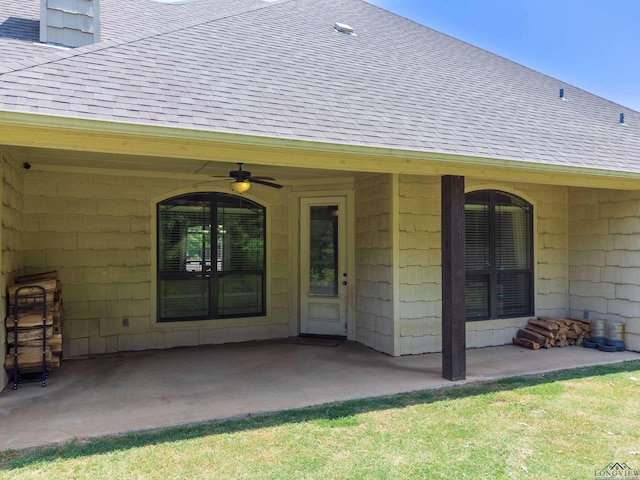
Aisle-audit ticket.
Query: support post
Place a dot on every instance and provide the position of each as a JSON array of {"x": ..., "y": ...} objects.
[{"x": 454, "y": 358}]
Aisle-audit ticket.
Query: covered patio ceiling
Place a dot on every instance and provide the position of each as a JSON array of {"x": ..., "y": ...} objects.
[{"x": 214, "y": 170}]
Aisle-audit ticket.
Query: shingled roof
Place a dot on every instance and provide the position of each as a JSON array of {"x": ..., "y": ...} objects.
[{"x": 281, "y": 70}]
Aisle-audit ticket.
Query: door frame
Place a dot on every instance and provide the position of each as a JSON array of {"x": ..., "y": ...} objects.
[{"x": 294, "y": 263}]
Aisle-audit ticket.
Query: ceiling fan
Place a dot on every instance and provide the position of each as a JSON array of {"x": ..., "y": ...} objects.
[{"x": 243, "y": 180}]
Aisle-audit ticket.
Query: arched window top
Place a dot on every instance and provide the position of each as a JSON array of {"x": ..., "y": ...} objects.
[
  {"x": 484, "y": 197},
  {"x": 211, "y": 257},
  {"x": 222, "y": 199}
]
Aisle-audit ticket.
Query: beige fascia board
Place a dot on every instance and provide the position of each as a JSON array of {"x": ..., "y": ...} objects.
[{"x": 30, "y": 130}]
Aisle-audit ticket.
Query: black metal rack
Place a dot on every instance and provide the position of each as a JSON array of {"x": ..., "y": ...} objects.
[{"x": 37, "y": 296}]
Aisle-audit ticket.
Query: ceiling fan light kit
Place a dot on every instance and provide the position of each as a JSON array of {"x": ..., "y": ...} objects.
[{"x": 240, "y": 186}]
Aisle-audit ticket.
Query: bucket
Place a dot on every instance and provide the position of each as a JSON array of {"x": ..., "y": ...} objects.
[
  {"x": 597, "y": 328},
  {"x": 615, "y": 330}
]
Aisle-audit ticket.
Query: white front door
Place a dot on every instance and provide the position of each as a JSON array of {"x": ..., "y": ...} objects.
[{"x": 323, "y": 266}]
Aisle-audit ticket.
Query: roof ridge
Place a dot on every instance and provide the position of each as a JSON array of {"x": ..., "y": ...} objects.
[{"x": 62, "y": 53}]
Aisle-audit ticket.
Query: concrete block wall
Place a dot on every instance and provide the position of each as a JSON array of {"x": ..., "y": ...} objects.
[
  {"x": 98, "y": 232},
  {"x": 420, "y": 263},
  {"x": 604, "y": 239},
  {"x": 11, "y": 219},
  {"x": 374, "y": 263}
]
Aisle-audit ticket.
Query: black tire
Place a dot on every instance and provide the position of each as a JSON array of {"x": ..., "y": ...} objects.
[
  {"x": 621, "y": 348},
  {"x": 615, "y": 343},
  {"x": 606, "y": 348},
  {"x": 589, "y": 344},
  {"x": 599, "y": 340}
]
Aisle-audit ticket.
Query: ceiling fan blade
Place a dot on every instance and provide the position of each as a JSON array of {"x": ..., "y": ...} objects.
[
  {"x": 262, "y": 182},
  {"x": 260, "y": 178}
]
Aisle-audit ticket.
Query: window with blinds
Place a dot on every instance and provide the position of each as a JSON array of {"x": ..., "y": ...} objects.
[
  {"x": 499, "y": 255},
  {"x": 211, "y": 257}
]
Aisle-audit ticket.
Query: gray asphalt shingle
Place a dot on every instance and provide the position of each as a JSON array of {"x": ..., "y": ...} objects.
[{"x": 279, "y": 69}]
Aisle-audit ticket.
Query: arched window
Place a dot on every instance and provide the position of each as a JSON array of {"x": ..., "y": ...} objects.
[
  {"x": 211, "y": 257},
  {"x": 499, "y": 255}
]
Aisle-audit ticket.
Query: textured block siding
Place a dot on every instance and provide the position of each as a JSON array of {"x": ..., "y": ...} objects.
[
  {"x": 374, "y": 263},
  {"x": 12, "y": 224},
  {"x": 604, "y": 239},
  {"x": 420, "y": 263},
  {"x": 96, "y": 230}
]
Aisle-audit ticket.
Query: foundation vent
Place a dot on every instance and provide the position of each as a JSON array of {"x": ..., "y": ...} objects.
[{"x": 70, "y": 23}]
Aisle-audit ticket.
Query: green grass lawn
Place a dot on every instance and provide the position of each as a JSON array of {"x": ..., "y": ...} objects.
[{"x": 564, "y": 425}]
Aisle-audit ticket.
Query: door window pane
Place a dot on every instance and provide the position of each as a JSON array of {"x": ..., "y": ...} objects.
[{"x": 323, "y": 250}]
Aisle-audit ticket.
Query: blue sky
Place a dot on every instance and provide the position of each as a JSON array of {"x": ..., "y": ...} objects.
[{"x": 591, "y": 44}]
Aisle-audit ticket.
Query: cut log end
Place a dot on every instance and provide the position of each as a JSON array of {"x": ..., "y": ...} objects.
[{"x": 523, "y": 342}]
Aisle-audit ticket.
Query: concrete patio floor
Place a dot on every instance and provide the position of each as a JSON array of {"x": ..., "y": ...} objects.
[{"x": 144, "y": 390}]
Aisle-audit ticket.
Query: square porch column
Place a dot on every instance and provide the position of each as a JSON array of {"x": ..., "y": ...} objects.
[{"x": 454, "y": 358}]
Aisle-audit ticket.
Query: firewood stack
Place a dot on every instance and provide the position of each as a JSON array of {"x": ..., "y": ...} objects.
[
  {"x": 547, "y": 332},
  {"x": 30, "y": 323}
]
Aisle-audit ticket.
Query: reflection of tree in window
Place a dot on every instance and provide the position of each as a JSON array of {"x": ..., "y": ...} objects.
[
  {"x": 188, "y": 287},
  {"x": 323, "y": 251}
]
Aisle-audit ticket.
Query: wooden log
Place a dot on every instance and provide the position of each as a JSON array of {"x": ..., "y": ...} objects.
[
  {"x": 33, "y": 288},
  {"x": 54, "y": 343},
  {"x": 544, "y": 324},
  {"x": 533, "y": 336},
  {"x": 558, "y": 321},
  {"x": 28, "y": 335},
  {"x": 52, "y": 307},
  {"x": 36, "y": 277},
  {"x": 586, "y": 326},
  {"x": 523, "y": 342},
  {"x": 29, "y": 321},
  {"x": 561, "y": 322},
  {"x": 33, "y": 301},
  {"x": 28, "y": 358},
  {"x": 542, "y": 331}
]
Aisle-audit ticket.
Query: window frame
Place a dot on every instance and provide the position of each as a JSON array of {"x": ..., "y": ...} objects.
[
  {"x": 212, "y": 201},
  {"x": 492, "y": 272}
]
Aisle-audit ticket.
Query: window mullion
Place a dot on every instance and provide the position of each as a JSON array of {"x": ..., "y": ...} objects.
[
  {"x": 213, "y": 274},
  {"x": 493, "y": 257}
]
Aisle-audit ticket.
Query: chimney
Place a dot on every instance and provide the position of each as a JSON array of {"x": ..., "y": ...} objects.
[{"x": 70, "y": 23}]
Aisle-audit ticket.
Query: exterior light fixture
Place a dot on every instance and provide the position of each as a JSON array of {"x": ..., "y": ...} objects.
[{"x": 240, "y": 186}]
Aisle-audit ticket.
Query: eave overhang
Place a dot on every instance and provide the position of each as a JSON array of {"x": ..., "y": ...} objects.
[{"x": 73, "y": 134}]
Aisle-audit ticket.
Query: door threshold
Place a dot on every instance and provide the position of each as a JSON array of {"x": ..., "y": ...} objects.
[
  {"x": 318, "y": 340},
  {"x": 326, "y": 337}
]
